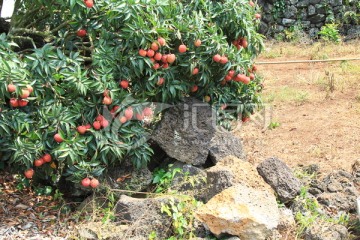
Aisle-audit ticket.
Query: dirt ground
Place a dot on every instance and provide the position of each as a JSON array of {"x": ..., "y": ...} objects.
[{"x": 315, "y": 107}]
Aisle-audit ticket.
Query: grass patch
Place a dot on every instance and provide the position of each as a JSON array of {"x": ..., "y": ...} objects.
[
  {"x": 288, "y": 94},
  {"x": 318, "y": 50}
]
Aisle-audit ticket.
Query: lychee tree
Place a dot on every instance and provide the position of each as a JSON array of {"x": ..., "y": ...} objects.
[{"x": 77, "y": 78}]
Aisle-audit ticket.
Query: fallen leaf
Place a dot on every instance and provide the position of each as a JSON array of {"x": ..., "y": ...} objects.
[{"x": 22, "y": 206}]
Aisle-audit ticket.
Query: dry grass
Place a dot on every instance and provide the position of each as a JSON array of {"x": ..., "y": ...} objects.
[
  {"x": 317, "y": 50},
  {"x": 330, "y": 78},
  {"x": 287, "y": 94},
  {"x": 317, "y": 102}
]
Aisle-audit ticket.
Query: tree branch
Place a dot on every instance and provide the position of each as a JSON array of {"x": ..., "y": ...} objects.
[
  {"x": 60, "y": 26},
  {"x": 30, "y": 14},
  {"x": 25, "y": 38},
  {"x": 29, "y": 31},
  {"x": 37, "y": 21}
]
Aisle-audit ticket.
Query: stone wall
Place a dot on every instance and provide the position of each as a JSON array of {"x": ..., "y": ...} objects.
[{"x": 308, "y": 15}]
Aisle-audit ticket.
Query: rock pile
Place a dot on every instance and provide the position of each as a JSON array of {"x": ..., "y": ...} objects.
[
  {"x": 310, "y": 15},
  {"x": 240, "y": 200}
]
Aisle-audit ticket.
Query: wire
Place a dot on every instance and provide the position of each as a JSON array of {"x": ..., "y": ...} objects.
[{"x": 308, "y": 61}]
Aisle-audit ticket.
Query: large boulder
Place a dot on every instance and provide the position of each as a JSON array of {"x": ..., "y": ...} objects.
[
  {"x": 189, "y": 134},
  {"x": 225, "y": 144},
  {"x": 231, "y": 171},
  {"x": 242, "y": 211},
  {"x": 143, "y": 215},
  {"x": 280, "y": 177},
  {"x": 186, "y": 130}
]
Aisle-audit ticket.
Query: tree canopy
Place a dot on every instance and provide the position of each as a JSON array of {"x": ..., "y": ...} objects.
[{"x": 78, "y": 79}]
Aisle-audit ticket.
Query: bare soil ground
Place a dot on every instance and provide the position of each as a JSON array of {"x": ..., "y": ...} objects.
[{"x": 316, "y": 105}]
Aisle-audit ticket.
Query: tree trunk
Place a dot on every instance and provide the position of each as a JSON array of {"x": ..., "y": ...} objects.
[
  {"x": 1, "y": 5},
  {"x": 4, "y": 26}
]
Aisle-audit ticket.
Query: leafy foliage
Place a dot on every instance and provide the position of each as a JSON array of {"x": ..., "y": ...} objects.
[
  {"x": 330, "y": 33},
  {"x": 352, "y": 12},
  {"x": 182, "y": 215},
  {"x": 71, "y": 73},
  {"x": 278, "y": 9},
  {"x": 163, "y": 178}
]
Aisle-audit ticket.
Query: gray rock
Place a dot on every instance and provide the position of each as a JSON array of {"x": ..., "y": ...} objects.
[
  {"x": 356, "y": 166},
  {"x": 303, "y": 3},
  {"x": 314, "y": 1},
  {"x": 268, "y": 7},
  {"x": 320, "y": 8},
  {"x": 305, "y": 24},
  {"x": 87, "y": 233},
  {"x": 185, "y": 131},
  {"x": 293, "y": 2},
  {"x": 126, "y": 176},
  {"x": 143, "y": 215},
  {"x": 242, "y": 211},
  {"x": 337, "y": 191},
  {"x": 229, "y": 172},
  {"x": 290, "y": 11},
  {"x": 279, "y": 28},
  {"x": 280, "y": 177},
  {"x": 334, "y": 187},
  {"x": 340, "y": 16},
  {"x": 338, "y": 10},
  {"x": 318, "y": 184},
  {"x": 311, "y": 10},
  {"x": 316, "y": 187},
  {"x": 313, "y": 32},
  {"x": 109, "y": 231},
  {"x": 335, "y": 2},
  {"x": 267, "y": 18},
  {"x": 279, "y": 21},
  {"x": 326, "y": 231},
  {"x": 311, "y": 169},
  {"x": 225, "y": 144},
  {"x": 263, "y": 28},
  {"x": 191, "y": 181},
  {"x": 218, "y": 179},
  {"x": 301, "y": 205},
  {"x": 303, "y": 14},
  {"x": 199, "y": 230},
  {"x": 91, "y": 203},
  {"x": 288, "y": 22},
  {"x": 317, "y": 18},
  {"x": 353, "y": 33}
]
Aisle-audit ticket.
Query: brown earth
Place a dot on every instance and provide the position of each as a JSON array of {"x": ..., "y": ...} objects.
[{"x": 316, "y": 104}]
